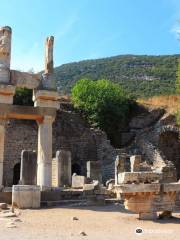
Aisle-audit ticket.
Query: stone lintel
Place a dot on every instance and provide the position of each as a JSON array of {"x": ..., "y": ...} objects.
[
  {"x": 24, "y": 79},
  {"x": 139, "y": 177},
  {"x": 137, "y": 188},
  {"x": 25, "y": 112}
]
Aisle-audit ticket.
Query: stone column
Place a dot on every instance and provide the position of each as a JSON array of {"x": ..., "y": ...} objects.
[
  {"x": 5, "y": 54},
  {"x": 2, "y": 136},
  {"x": 44, "y": 173}
]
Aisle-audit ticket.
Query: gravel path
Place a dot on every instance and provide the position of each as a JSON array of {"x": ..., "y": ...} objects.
[{"x": 92, "y": 223}]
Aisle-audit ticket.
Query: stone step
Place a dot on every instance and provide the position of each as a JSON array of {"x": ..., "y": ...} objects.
[
  {"x": 113, "y": 201},
  {"x": 63, "y": 203}
]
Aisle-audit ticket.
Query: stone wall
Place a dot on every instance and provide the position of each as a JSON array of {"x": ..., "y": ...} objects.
[{"x": 70, "y": 132}]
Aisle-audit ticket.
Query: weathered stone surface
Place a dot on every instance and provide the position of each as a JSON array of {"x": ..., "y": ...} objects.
[
  {"x": 119, "y": 166},
  {"x": 139, "y": 177},
  {"x": 45, "y": 98},
  {"x": 94, "y": 170},
  {"x": 3, "y": 206},
  {"x": 61, "y": 171},
  {"x": 6, "y": 93},
  {"x": 26, "y": 196},
  {"x": 78, "y": 181},
  {"x": 28, "y": 174},
  {"x": 5, "y": 54},
  {"x": 24, "y": 79},
  {"x": 135, "y": 163},
  {"x": 135, "y": 188}
]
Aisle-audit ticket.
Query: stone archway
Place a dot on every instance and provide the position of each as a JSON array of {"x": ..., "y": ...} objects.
[
  {"x": 16, "y": 173},
  {"x": 169, "y": 144}
]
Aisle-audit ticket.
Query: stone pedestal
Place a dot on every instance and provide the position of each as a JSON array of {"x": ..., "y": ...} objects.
[
  {"x": 28, "y": 175},
  {"x": 26, "y": 196},
  {"x": 78, "y": 181},
  {"x": 61, "y": 169},
  {"x": 94, "y": 170}
]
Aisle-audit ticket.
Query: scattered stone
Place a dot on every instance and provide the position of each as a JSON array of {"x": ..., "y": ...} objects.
[
  {"x": 17, "y": 220},
  {"x": 11, "y": 225},
  {"x": 7, "y": 215},
  {"x": 82, "y": 233},
  {"x": 75, "y": 218},
  {"x": 3, "y": 206}
]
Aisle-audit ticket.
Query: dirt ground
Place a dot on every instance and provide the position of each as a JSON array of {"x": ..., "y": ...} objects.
[{"x": 109, "y": 222}]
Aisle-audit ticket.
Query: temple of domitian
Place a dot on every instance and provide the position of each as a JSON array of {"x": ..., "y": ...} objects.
[
  {"x": 45, "y": 180},
  {"x": 45, "y": 103}
]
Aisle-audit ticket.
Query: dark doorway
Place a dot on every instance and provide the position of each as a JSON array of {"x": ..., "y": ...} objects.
[
  {"x": 76, "y": 168},
  {"x": 16, "y": 174}
]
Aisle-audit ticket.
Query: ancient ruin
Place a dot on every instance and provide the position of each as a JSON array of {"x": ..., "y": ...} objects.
[{"x": 59, "y": 159}]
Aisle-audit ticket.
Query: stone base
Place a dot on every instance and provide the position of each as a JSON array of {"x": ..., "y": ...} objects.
[
  {"x": 26, "y": 196},
  {"x": 148, "y": 216}
]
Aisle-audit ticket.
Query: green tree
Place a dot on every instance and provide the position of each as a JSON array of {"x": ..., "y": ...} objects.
[
  {"x": 104, "y": 103},
  {"x": 23, "y": 96}
]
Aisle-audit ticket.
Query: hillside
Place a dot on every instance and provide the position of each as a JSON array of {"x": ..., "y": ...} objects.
[{"x": 142, "y": 76}]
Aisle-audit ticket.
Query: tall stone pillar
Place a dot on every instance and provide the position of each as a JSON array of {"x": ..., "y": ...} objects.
[
  {"x": 5, "y": 54},
  {"x": 6, "y": 89},
  {"x": 44, "y": 173},
  {"x": 2, "y": 135},
  {"x": 46, "y": 96}
]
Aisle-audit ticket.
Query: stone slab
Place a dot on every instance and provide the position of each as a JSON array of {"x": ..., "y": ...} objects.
[
  {"x": 135, "y": 188},
  {"x": 78, "y": 181},
  {"x": 171, "y": 187},
  {"x": 28, "y": 175},
  {"x": 94, "y": 170},
  {"x": 138, "y": 177},
  {"x": 26, "y": 196}
]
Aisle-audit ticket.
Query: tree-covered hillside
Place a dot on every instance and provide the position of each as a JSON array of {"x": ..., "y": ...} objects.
[{"x": 142, "y": 76}]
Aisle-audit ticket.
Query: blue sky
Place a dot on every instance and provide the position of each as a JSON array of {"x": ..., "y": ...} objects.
[{"x": 88, "y": 29}]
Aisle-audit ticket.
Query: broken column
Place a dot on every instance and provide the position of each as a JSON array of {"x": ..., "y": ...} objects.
[
  {"x": 119, "y": 166},
  {"x": 28, "y": 174},
  {"x": 5, "y": 54},
  {"x": 94, "y": 170},
  {"x": 135, "y": 163},
  {"x": 46, "y": 96},
  {"x": 61, "y": 169}
]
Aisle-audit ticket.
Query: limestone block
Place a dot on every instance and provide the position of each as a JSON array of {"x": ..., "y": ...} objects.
[
  {"x": 45, "y": 98},
  {"x": 28, "y": 175},
  {"x": 119, "y": 166},
  {"x": 61, "y": 169},
  {"x": 26, "y": 196},
  {"x": 135, "y": 188},
  {"x": 171, "y": 187},
  {"x": 139, "y": 177},
  {"x": 94, "y": 170},
  {"x": 135, "y": 163},
  {"x": 6, "y": 93},
  {"x": 78, "y": 181},
  {"x": 24, "y": 79}
]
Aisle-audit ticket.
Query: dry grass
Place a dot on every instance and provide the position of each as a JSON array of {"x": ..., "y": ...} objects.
[{"x": 170, "y": 102}]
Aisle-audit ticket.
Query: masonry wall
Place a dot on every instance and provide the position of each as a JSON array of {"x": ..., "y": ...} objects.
[{"x": 70, "y": 132}]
